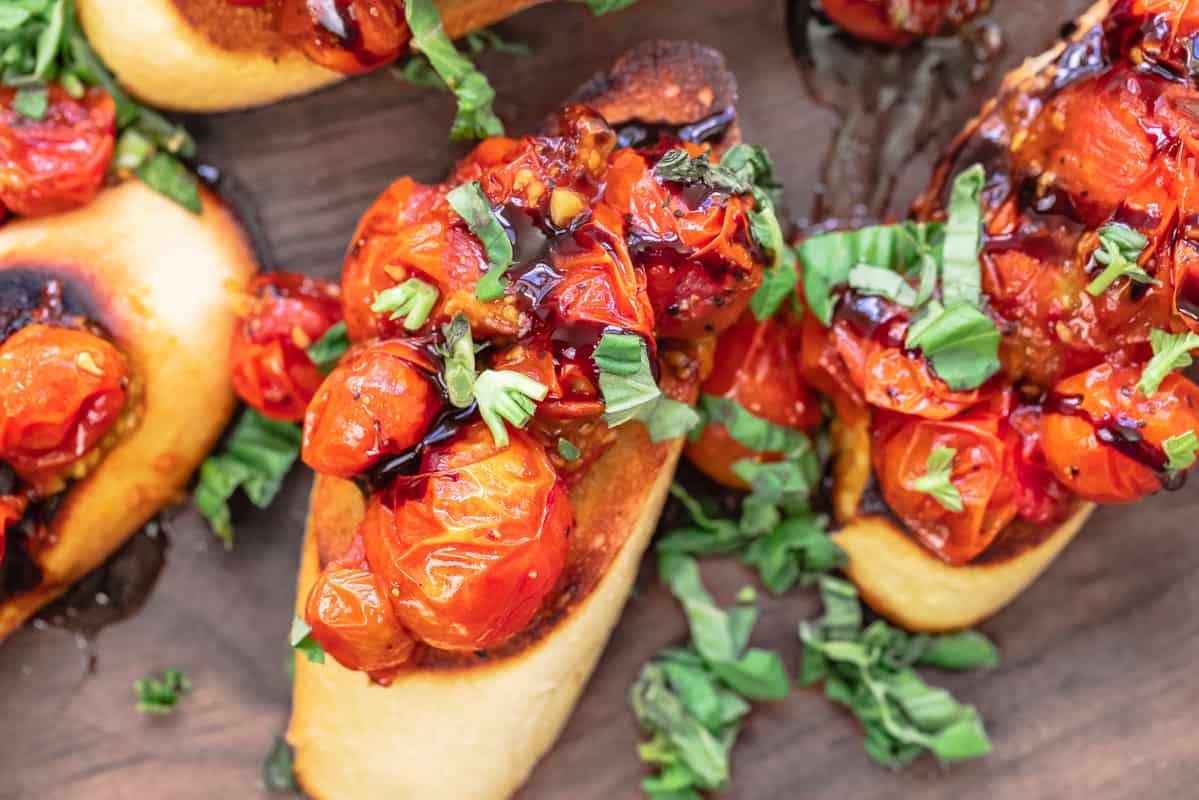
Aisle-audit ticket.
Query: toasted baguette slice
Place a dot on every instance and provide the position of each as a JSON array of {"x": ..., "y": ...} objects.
[
  {"x": 471, "y": 728},
  {"x": 213, "y": 55},
  {"x": 159, "y": 279},
  {"x": 895, "y": 575}
]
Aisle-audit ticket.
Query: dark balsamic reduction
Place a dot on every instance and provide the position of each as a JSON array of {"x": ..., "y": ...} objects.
[
  {"x": 408, "y": 462},
  {"x": 637, "y": 133}
]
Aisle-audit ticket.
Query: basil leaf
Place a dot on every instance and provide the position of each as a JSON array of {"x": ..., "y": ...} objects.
[
  {"x": 757, "y": 675},
  {"x": 630, "y": 392},
  {"x": 962, "y": 740},
  {"x": 1180, "y": 451},
  {"x": 567, "y": 450},
  {"x": 606, "y": 6},
  {"x": 50, "y": 40},
  {"x": 961, "y": 274},
  {"x": 961, "y": 650},
  {"x": 166, "y": 174},
  {"x": 156, "y": 696},
  {"x": 1119, "y": 248},
  {"x": 865, "y": 279},
  {"x": 1170, "y": 352},
  {"x": 659, "y": 710},
  {"x": 680, "y": 166},
  {"x": 326, "y": 351},
  {"x": 960, "y": 342},
  {"x": 796, "y": 548},
  {"x": 936, "y": 482},
  {"x": 754, "y": 432},
  {"x": 255, "y": 459},
  {"x": 458, "y": 355},
  {"x": 411, "y": 301},
  {"x": 507, "y": 396},
  {"x": 31, "y": 101},
  {"x": 278, "y": 771},
  {"x": 475, "y": 118},
  {"x": 300, "y": 638},
  {"x": 469, "y": 202}
]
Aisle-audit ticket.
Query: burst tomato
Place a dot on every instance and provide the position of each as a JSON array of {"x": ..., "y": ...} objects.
[
  {"x": 469, "y": 549},
  {"x": 1043, "y": 499},
  {"x": 898, "y": 22},
  {"x": 755, "y": 366},
  {"x": 379, "y": 401},
  {"x": 61, "y": 390},
  {"x": 349, "y": 36},
  {"x": 982, "y": 473},
  {"x": 1104, "y": 439},
  {"x": 284, "y": 314},
  {"x": 58, "y": 162}
]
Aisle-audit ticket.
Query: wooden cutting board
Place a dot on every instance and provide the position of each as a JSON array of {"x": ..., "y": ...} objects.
[{"x": 1097, "y": 695}]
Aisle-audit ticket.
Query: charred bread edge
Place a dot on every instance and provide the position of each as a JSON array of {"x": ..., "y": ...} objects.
[
  {"x": 159, "y": 279},
  {"x": 477, "y": 731},
  {"x": 167, "y": 62}
]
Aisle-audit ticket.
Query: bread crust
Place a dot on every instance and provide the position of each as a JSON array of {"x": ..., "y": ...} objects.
[
  {"x": 173, "y": 60},
  {"x": 501, "y": 713},
  {"x": 159, "y": 279}
]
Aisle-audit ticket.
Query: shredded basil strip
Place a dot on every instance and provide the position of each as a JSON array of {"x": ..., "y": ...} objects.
[
  {"x": 155, "y": 696},
  {"x": 599, "y": 7},
  {"x": 1180, "y": 451},
  {"x": 475, "y": 118},
  {"x": 961, "y": 275},
  {"x": 630, "y": 392},
  {"x": 31, "y": 101},
  {"x": 1170, "y": 352},
  {"x": 1119, "y": 249},
  {"x": 568, "y": 450},
  {"x": 326, "y": 351},
  {"x": 255, "y": 459},
  {"x": 411, "y": 301},
  {"x": 507, "y": 396},
  {"x": 871, "y": 672},
  {"x": 300, "y": 638},
  {"x": 458, "y": 355},
  {"x": 278, "y": 768},
  {"x": 469, "y": 202},
  {"x": 937, "y": 483},
  {"x": 166, "y": 174},
  {"x": 961, "y": 343}
]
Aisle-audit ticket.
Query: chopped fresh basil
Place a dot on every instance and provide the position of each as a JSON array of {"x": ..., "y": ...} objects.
[
  {"x": 606, "y": 6},
  {"x": 255, "y": 459},
  {"x": 160, "y": 696},
  {"x": 870, "y": 671},
  {"x": 326, "y": 351},
  {"x": 568, "y": 450},
  {"x": 278, "y": 769},
  {"x": 1119, "y": 248},
  {"x": 504, "y": 395},
  {"x": 300, "y": 638},
  {"x": 490, "y": 39},
  {"x": 960, "y": 342},
  {"x": 1171, "y": 351},
  {"x": 417, "y": 70},
  {"x": 31, "y": 101},
  {"x": 469, "y": 202},
  {"x": 865, "y": 279},
  {"x": 475, "y": 118},
  {"x": 166, "y": 174},
  {"x": 961, "y": 275},
  {"x": 937, "y": 483},
  {"x": 411, "y": 301},
  {"x": 732, "y": 177},
  {"x": 1180, "y": 451},
  {"x": 133, "y": 149},
  {"x": 630, "y": 392},
  {"x": 458, "y": 355}
]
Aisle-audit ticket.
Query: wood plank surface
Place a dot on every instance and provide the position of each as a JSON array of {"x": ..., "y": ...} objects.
[{"x": 1097, "y": 695}]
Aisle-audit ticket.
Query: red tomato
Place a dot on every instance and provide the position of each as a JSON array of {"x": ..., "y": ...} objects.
[
  {"x": 353, "y": 621},
  {"x": 898, "y": 22},
  {"x": 379, "y": 401},
  {"x": 983, "y": 474},
  {"x": 754, "y": 365},
  {"x": 1104, "y": 439},
  {"x": 61, "y": 390},
  {"x": 350, "y": 36},
  {"x": 1043, "y": 499},
  {"x": 824, "y": 368},
  {"x": 285, "y": 313},
  {"x": 58, "y": 162},
  {"x": 469, "y": 549}
]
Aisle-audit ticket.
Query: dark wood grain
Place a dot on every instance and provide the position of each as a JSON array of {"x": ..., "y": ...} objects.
[{"x": 1097, "y": 696}]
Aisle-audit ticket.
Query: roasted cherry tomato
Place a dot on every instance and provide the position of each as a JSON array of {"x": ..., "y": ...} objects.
[
  {"x": 284, "y": 314},
  {"x": 350, "y": 36},
  {"x": 1104, "y": 440},
  {"x": 352, "y": 618},
  {"x": 754, "y": 365},
  {"x": 61, "y": 390},
  {"x": 379, "y": 401},
  {"x": 58, "y": 162},
  {"x": 898, "y": 22},
  {"x": 982, "y": 473},
  {"x": 469, "y": 549},
  {"x": 1043, "y": 499}
]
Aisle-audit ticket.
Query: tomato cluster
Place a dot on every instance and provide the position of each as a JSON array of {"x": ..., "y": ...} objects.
[{"x": 463, "y": 541}]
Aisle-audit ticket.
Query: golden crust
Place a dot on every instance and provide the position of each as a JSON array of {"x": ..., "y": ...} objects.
[
  {"x": 353, "y": 739},
  {"x": 159, "y": 279},
  {"x": 165, "y": 54}
]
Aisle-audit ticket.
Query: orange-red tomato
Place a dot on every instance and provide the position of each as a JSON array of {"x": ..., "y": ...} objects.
[
  {"x": 350, "y": 36},
  {"x": 1104, "y": 440},
  {"x": 379, "y": 401},
  {"x": 61, "y": 390},
  {"x": 982, "y": 472},
  {"x": 353, "y": 621},
  {"x": 754, "y": 365},
  {"x": 58, "y": 162},
  {"x": 1043, "y": 499},
  {"x": 284, "y": 314},
  {"x": 898, "y": 22},
  {"x": 469, "y": 549}
]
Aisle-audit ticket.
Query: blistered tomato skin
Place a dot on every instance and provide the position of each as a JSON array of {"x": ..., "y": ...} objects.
[
  {"x": 283, "y": 315},
  {"x": 1104, "y": 440},
  {"x": 61, "y": 390},
  {"x": 379, "y": 401},
  {"x": 982, "y": 473},
  {"x": 899, "y": 22},
  {"x": 348, "y": 36},
  {"x": 754, "y": 365},
  {"x": 469, "y": 549},
  {"x": 56, "y": 163},
  {"x": 353, "y": 621}
]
